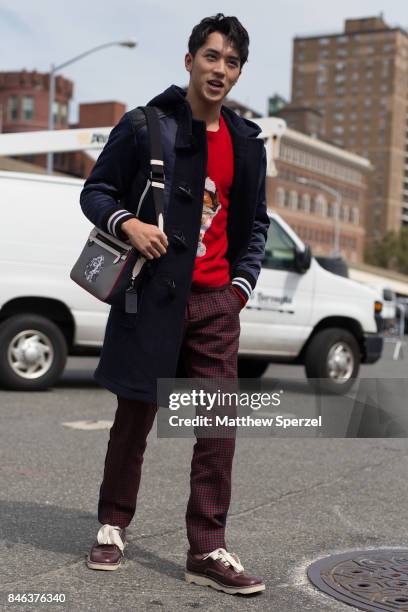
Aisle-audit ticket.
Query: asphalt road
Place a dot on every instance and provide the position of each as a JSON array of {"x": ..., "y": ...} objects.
[{"x": 295, "y": 500}]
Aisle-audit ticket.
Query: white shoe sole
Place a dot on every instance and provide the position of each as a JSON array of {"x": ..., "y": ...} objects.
[
  {"x": 205, "y": 581},
  {"x": 103, "y": 566}
]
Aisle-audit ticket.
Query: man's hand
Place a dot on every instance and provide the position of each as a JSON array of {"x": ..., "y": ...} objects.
[{"x": 148, "y": 239}]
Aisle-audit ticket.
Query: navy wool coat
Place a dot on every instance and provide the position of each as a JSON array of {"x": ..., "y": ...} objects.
[{"x": 140, "y": 348}]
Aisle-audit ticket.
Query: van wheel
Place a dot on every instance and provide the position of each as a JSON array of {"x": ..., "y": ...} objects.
[
  {"x": 332, "y": 360},
  {"x": 33, "y": 353},
  {"x": 251, "y": 368}
]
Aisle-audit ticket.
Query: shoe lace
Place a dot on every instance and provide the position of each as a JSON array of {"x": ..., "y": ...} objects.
[
  {"x": 109, "y": 534},
  {"x": 220, "y": 554}
]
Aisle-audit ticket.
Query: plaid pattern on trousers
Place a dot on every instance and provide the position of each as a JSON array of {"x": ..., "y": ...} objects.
[{"x": 209, "y": 350}]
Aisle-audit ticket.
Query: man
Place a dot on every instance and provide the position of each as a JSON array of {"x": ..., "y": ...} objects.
[{"x": 202, "y": 269}]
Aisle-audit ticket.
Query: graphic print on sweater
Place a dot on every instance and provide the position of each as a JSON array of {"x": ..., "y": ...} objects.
[{"x": 211, "y": 206}]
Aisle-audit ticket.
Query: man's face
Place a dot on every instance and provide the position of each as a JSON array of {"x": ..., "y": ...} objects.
[{"x": 214, "y": 69}]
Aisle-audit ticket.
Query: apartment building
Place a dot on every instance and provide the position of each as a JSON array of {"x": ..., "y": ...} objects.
[
  {"x": 321, "y": 191},
  {"x": 358, "y": 81}
]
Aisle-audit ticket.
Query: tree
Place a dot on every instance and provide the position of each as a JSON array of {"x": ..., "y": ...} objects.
[{"x": 391, "y": 252}]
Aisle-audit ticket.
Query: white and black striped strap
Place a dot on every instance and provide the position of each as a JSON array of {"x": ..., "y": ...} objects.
[{"x": 156, "y": 161}]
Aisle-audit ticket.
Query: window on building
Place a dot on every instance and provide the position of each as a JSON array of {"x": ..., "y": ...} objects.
[
  {"x": 13, "y": 108},
  {"x": 354, "y": 216},
  {"x": 324, "y": 41},
  {"x": 293, "y": 200},
  {"x": 340, "y": 65},
  {"x": 341, "y": 52},
  {"x": 28, "y": 108},
  {"x": 320, "y": 205},
  {"x": 324, "y": 54},
  {"x": 55, "y": 111},
  {"x": 340, "y": 78},
  {"x": 280, "y": 197},
  {"x": 64, "y": 114},
  {"x": 346, "y": 213},
  {"x": 338, "y": 117},
  {"x": 338, "y": 129},
  {"x": 306, "y": 202}
]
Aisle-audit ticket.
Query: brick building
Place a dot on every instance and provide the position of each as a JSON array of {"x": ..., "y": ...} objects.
[
  {"x": 24, "y": 108},
  {"x": 24, "y": 101},
  {"x": 91, "y": 114},
  {"x": 358, "y": 80},
  {"x": 24, "y": 104},
  {"x": 304, "y": 164}
]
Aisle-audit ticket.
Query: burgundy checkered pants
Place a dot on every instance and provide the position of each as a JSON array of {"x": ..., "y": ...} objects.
[{"x": 209, "y": 349}]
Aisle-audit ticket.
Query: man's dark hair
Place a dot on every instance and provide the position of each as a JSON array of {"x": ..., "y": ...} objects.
[{"x": 231, "y": 27}]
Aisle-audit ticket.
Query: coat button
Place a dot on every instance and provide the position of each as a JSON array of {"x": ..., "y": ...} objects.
[
  {"x": 179, "y": 240},
  {"x": 185, "y": 190},
  {"x": 171, "y": 287}
]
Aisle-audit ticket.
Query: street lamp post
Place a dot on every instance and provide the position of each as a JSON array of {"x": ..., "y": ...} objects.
[
  {"x": 53, "y": 70},
  {"x": 337, "y": 206}
]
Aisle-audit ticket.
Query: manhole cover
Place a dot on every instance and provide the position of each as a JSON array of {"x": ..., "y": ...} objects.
[{"x": 366, "y": 579}]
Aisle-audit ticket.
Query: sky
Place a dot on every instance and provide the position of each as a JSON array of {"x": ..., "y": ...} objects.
[{"x": 34, "y": 34}]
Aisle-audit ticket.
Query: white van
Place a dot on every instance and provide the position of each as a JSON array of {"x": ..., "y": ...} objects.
[
  {"x": 299, "y": 312},
  {"x": 389, "y": 301}
]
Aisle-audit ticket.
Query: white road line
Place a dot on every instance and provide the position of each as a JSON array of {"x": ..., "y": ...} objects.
[{"x": 88, "y": 425}]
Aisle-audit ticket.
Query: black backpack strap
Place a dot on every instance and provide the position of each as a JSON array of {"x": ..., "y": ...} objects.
[{"x": 150, "y": 115}]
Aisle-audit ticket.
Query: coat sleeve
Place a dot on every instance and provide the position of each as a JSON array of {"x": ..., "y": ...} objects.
[
  {"x": 110, "y": 179},
  {"x": 248, "y": 267}
]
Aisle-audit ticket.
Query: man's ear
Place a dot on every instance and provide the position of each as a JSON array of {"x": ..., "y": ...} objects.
[{"x": 188, "y": 62}]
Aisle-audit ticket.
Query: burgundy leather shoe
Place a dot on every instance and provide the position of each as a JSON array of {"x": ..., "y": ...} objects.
[
  {"x": 223, "y": 571},
  {"x": 107, "y": 552}
]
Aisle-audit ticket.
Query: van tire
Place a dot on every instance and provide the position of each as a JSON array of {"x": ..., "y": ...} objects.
[
  {"x": 334, "y": 350},
  {"x": 251, "y": 368},
  {"x": 30, "y": 341}
]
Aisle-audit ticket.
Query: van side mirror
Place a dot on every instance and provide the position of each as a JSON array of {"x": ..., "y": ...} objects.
[{"x": 303, "y": 258}]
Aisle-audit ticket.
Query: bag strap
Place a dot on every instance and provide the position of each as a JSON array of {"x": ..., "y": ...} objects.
[{"x": 156, "y": 161}]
